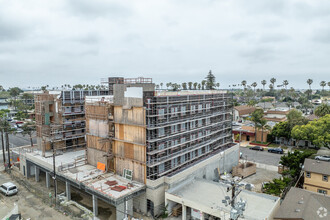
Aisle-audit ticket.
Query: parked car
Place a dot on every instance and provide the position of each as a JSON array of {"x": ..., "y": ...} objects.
[
  {"x": 258, "y": 148},
  {"x": 276, "y": 150},
  {"x": 9, "y": 189},
  {"x": 323, "y": 158}
]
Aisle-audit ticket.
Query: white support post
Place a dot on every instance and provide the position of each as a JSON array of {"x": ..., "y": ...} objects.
[
  {"x": 48, "y": 180},
  {"x": 36, "y": 173},
  {"x": 68, "y": 190},
  {"x": 95, "y": 208},
  {"x": 184, "y": 212}
]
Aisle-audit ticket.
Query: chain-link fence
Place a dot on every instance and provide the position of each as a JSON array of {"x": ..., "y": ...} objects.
[{"x": 48, "y": 198}]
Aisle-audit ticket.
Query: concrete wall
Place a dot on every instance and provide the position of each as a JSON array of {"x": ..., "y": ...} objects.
[{"x": 207, "y": 169}]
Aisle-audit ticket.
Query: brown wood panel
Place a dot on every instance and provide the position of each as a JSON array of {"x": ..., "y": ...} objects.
[{"x": 129, "y": 151}]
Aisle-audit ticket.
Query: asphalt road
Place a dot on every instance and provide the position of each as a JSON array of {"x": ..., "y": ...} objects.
[
  {"x": 19, "y": 140},
  {"x": 261, "y": 156}
]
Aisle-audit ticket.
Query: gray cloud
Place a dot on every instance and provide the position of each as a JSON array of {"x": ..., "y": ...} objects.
[
  {"x": 322, "y": 36},
  {"x": 98, "y": 8},
  {"x": 81, "y": 41}
]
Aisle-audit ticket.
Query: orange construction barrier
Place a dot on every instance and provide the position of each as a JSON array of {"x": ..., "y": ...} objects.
[{"x": 101, "y": 166}]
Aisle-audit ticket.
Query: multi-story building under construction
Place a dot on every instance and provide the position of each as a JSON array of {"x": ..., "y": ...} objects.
[
  {"x": 60, "y": 119},
  {"x": 156, "y": 134},
  {"x": 154, "y": 139}
]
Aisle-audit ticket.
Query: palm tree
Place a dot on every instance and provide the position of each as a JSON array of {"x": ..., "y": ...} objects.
[
  {"x": 168, "y": 85},
  {"x": 190, "y": 85},
  {"x": 309, "y": 82},
  {"x": 254, "y": 85},
  {"x": 195, "y": 85},
  {"x": 271, "y": 87},
  {"x": 184, "y": 86},
  {"x": 199, "y": 86},
  {"x": 286, "y": 83},
  {"x": 263, "y": 125},
  {"x": 323, "y": 84},
  {"x": 329, "y": 85},
  {"x": 272, "y": 81},
  {"x": 203, "y": 84},
  {"x": 244, "y": 84},
  {"x": 263, "y": 82},
  {"x": 161, "y": 85}
]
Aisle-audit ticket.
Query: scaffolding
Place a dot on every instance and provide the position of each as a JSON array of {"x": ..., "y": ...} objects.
[
  {"x": 100, "y": 129},
  {"x": 185, "y": 127},
  {"x": 66, "y": 113}
]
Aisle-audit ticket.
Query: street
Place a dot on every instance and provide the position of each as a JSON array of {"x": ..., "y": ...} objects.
[
  {"x": 18, "y": 140},
  {"x": 261, "y": 156}
]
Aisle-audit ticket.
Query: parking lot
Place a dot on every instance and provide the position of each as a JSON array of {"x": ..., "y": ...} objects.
[{"x": 263, "y": 157}]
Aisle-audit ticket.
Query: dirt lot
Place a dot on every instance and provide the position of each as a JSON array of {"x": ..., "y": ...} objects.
[{"x": 28, "y": 204}]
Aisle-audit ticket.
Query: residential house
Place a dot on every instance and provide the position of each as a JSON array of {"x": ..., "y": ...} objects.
[
  {"x": 248, "y": 133},
  {"x": 317, "y": 176},
  {"x": 242, "y": 111},
  {"x": 300, "y": 204}
]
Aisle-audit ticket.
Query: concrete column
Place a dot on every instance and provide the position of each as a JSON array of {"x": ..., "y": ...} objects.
[
  {"x": 95, "y": 210},
  {"x": 68, "y": 190},
  {"x": 48, "y": 180},
  {"x": 36, "y": 173},
  {"x": 184, "y": 212},
  {"x": 202, "y": 215}
]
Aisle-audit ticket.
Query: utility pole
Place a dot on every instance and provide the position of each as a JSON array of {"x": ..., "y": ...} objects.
[
  {"x": 7, "y": 143},
  {"x": 54, "y": 172},
  {"x": 3, "y": 148}
]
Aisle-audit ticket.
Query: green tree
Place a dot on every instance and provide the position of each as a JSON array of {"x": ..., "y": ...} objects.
[
  {"x": 195, "y": 85},
  {"x": 168, "y": 85},
  {"x": 210, "y": 81},
  {"x": 190, "y": 85},
  {"x": 272, "y": 81},
  {"x": 310, "y": 82},
  {"x": 263, "y": 125},
  {"x": 199, "y": 86},
  {"x": 184, "y": 86},
  {"x": 277, "y": 186},
  {"x": 322, "y": 110},
  {"x": 294, "y": 161},
  {"x": 254, "y": 85},
  {"x": 316, "y": 131},
  {"x": 323, "y": 84},
  {"x": 252, "y": 103},
  {"x": 281, "y": 130},
  {"x": 263, "y": 82},
  {"x": 203, "y": 84},
  {"x": 244, "y": 84},
  {"x": 295, "y": 117},
  {"x": 4, "y": 126},
  {"x": 161, "y": 85},
  {"x": 256, "y": 117}
]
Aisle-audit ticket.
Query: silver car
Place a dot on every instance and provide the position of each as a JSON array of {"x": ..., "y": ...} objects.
[
  {"x": 9, "y": 189},
  {"x": 323, "y": 158}
]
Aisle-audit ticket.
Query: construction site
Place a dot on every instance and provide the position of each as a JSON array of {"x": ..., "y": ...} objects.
[{"x": 129, "y": 144}]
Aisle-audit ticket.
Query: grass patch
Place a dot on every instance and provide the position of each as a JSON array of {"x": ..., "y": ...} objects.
[
  {"x": 272, "y": 145},
  {"x": 307, "y": 150}
]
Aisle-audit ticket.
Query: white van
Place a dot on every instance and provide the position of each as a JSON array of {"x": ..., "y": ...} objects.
[{"x": 9, "y": 189}]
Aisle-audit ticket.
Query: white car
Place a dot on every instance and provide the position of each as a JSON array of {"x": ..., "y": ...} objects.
[
  {"x": 323, "y": 158},
  {"x": 9, "y": 189}
]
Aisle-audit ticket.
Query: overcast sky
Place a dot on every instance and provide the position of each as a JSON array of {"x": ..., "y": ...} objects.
[{"x": 81, "y": 41}]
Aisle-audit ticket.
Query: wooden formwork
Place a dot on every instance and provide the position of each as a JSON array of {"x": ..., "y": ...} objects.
[{"x": 129, "y": 142}]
